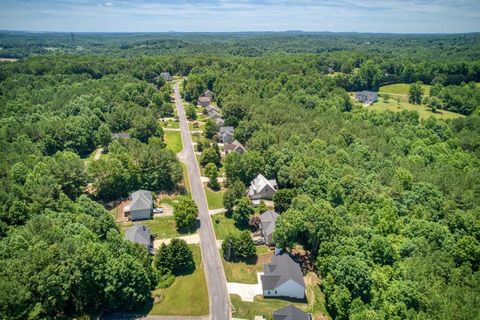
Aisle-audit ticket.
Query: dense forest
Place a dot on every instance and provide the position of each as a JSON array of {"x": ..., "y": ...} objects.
[{"x": 387, "y": 204}]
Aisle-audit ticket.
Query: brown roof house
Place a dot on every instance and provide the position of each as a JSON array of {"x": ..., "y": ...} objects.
[
  {"x": 235, "y": 146},
  {"x": 267, "y": 225},
  {"x": 204, "y": 101},
  {"x": 290, "y": 312},
  {"x": 282, "y": 277},
  {"x": 262, "y": 188}
]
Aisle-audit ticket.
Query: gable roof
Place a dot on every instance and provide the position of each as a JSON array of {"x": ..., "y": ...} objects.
[
  {"x": 140, "y": 234},
  {"x": 212, "y": 114},
  {"x": 210, "y": 108},
  {"x": 260, "y": 182},
  {"x": 234, "y": 146},
  {"x": 204, "y": 99},
  {"x": 208, "y": 93},
  {"x": 267, "y": 219},
  {"x": 290, "y": 313},
  {"x": 219, "y": 121},
  {"x": 225, "y": 130},
  {"x": 281, "y": 269},
  {"x": 120, "y": 135},
  {"x": 141, "y": 200}
]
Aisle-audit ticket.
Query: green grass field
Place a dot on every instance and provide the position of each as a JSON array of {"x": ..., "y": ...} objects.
[
  {"x": 402, "y": 89},
  {"x": 170, "y": 124},
  {"x": 223, "y": 226},
  {"x": 188, "y": 295},
  {"x": 201, "y": 126},
  {"x": 186, "y": 181},
  {"x": 163, "y": 227},
  {"x": 246, "y": 271},
  {"x": 173, "y": 141},
  {"x": 214, "y": 198},
  {"x": 422, "y": 110}
]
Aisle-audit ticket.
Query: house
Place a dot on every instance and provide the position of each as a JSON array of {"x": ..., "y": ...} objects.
[
  {"x": 267, "y": 225},
  {"x": 366, "y": 97},
  {"x": 290, "y": 313},
  {"x": 141, "y": 205},
  {"x": 235, "y": 146},
  {"x": 140, "y": 234},
  {"x": 219, "y": 122},
  {"x": 204, "y": 101},
  {"x": 166, "y": 76},
  {"x": 209, "y": 94},
  {"x": 226, "y": 134},
  {"x": 213, "y": 114},
  {"x": 262, "y": 188},
  {"x": 210, "y": 108},
  {"x": 282, "y": 277},
  {"x": 120, "y": 135}
]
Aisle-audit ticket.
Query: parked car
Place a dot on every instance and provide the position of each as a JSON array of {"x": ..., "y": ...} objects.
[{"x": 158, "y": 210}]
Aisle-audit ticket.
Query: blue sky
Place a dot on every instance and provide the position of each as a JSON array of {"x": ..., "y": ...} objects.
[{"x": 407, "y": 16}]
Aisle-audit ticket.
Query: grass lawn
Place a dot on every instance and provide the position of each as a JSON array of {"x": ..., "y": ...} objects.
[
  {"x": 173, "y": 141},
  {"x": 186, "y": 181},
  {"x": 246, "y": 271},
  {"x": 224, "y": 226},
  {"x": 201, "y": 126},
  {"x": 260, "y": 307},
  {"x": 162, "y": 227},
  {"x": 170, "y": 124},
  {"x": 402, "y": 88},
  {"x": 214, "y": 198},
  {"x": 422, "y": 110},
  {"x": 188, "y": 295}
]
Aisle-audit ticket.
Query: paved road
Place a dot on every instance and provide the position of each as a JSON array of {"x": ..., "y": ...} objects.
[{"x": 216, "y": 281}]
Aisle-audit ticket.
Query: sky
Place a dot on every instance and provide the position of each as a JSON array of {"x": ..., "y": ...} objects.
[{"x": 392, "y": 16}]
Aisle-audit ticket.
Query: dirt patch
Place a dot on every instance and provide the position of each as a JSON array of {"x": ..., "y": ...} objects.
[
  {"x": 265, "y": 258},
  {"x": 303, "y": 257},
  {"x": 118, "y": 213}
]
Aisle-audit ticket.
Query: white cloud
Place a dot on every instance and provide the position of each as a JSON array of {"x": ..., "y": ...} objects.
[{"x": 108, "y": 4}]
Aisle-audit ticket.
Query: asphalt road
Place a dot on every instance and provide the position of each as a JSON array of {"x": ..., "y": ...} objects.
[{"x": 216, "y": 281}]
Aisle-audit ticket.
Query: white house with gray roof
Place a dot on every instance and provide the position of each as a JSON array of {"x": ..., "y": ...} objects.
[
  {"x": 140, "y": 234},
  {"x": 226, "y": 134},
  {"x": 141, "y": 205},
  {"x": 282, "y": 277},
  {"x": 290, "y": 312},
  {"x": 267, "y": 225},
  {"x": 366, "y": 97},
  {"x": 262, "y": 188}
]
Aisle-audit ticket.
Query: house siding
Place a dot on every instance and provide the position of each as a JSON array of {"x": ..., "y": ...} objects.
[
  {"x": 289, "y": 289},
  {"x": 140, "y": 214}
]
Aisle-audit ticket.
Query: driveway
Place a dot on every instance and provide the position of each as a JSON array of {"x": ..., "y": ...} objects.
[
  {"x": 219, "y": 302},
  {"x": 247, "y": 292},
  {"x": 190, "y": 239}
]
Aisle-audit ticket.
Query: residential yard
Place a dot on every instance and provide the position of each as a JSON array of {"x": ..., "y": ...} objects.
[
  {"x": 223, "y": 226},
  {"x": 187, "y": 296},
  {"x": 422, "y": 110},
  {"x": 170, "y": 124},
  {"x": 402, "y": 89},
  {"x": 201, "y": 126},
  {"x": 214, "y": 198},
  {"x": 246, "y": 271},
  {"x": 161, "y": 227},
  {"x": 265, "y": 307},
  {"x": 173, "y": 140}
]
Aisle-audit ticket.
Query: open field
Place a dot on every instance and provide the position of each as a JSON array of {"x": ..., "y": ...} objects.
[
  {"x": 170, "y": 124},
  {"x": 161, "y": 227},
  {"x": 214, "y": 198},
  {"x": 173, "y": 141},
  {"x": 402, "y": 89},
  {"x": 422, "y": 110},
  {"x": 246, "y": 271},
  {"x": 188, "y": 295}
]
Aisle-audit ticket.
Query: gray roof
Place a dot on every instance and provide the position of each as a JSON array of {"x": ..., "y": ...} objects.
[
  {"x": 212, "y": 114},
  {"x": 260, "y": 182},
  {"x": 204, "y": 99},
  {"x": 219, "y": 122},
  {"x": 141, "y": 200},
  {"x": 267, "y": 219},
  {"x": 139, "y": 234},
  {"x": 290, "y": 313},
  {"x": 281, "y": 269},
  {"x": 120, "y": 135},
  {"x": 366, "y": 96},
  {"x": 210, "y": 108},
  {"x": 223, "y": 130}
]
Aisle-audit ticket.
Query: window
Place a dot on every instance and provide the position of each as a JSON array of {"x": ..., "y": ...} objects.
[
  {"x": 268, "y": 291},
  {"x": 275, "y": 291}
]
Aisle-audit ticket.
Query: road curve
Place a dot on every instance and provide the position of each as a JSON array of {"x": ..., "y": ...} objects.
[{"x": 216, "y": 282}]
